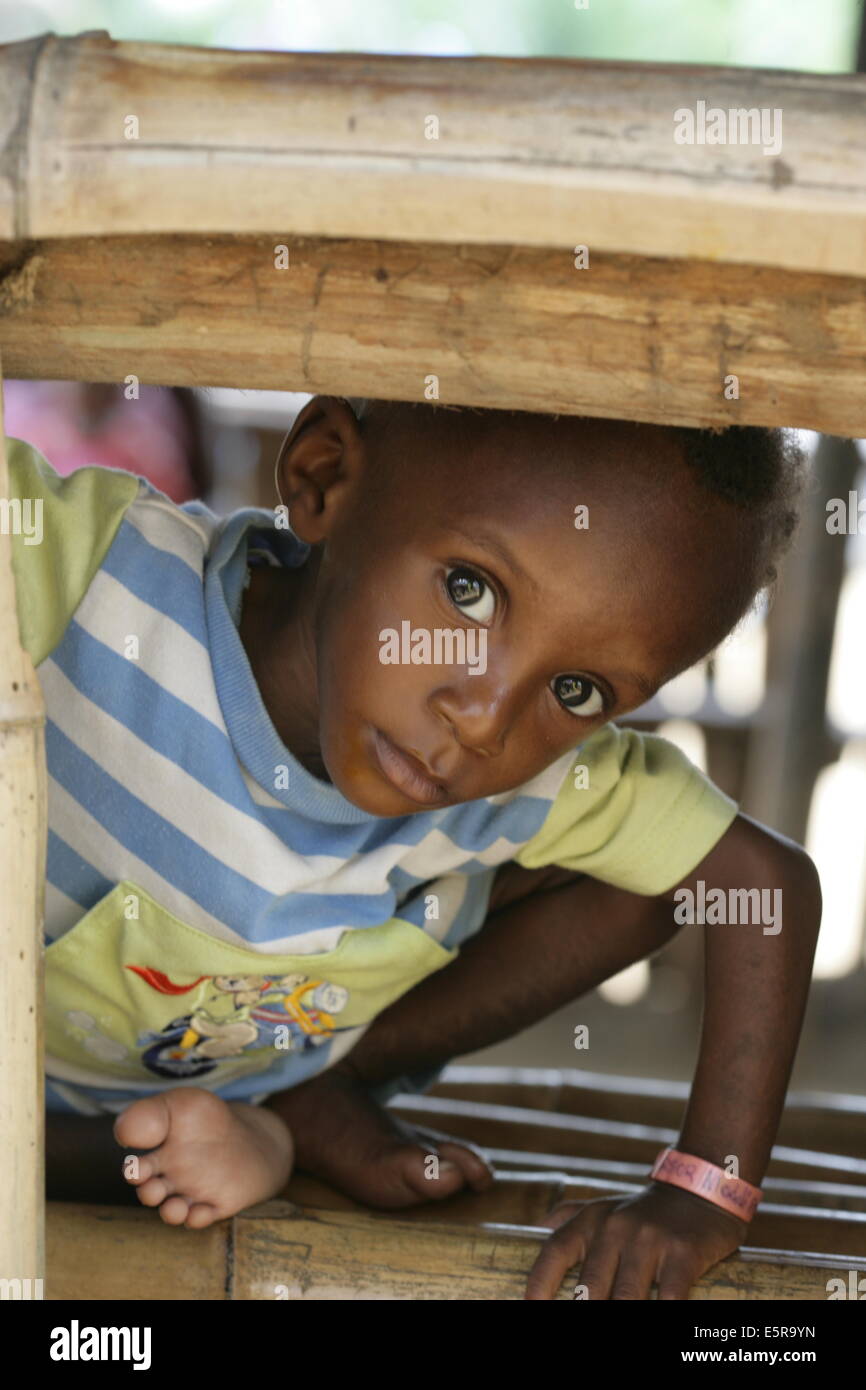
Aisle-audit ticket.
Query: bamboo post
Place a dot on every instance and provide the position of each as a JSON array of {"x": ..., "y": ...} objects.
[
  {"x": 22, "y": 885},
  {"x": 107, "y": 137},
  {"x": 277, "y": 1252},
  {"x": 505, "y": 326}
]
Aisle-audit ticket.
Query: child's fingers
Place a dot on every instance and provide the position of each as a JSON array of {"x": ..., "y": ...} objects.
[
  {"x": 599, "y": 1269},
  {"x": 564, "y": 1211},
  {"x": 676, "y": 1276},
  {"x": 635, "y": 1275},
  {"x": 564, "y": 1248}
]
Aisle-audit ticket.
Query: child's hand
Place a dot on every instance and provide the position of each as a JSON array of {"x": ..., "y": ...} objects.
[{"x": 624, "y": 1245}]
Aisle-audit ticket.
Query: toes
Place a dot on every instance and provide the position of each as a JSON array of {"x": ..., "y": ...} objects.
[
  {"x": 201, "y": 1214},
  {"x": 174, "y": 1210},
  {"x": 475, "y": 1168},
  {"x": 421, "y": 1172},
  {"x": 152, "y": 1192},
  {"x": 138, "y": 1168},
  {"x": 430, "y": 1175},
  {"x": 144, "y": 1124}
]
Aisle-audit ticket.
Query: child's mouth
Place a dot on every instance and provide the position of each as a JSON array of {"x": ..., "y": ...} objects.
[{"x": 405, "y": 772}]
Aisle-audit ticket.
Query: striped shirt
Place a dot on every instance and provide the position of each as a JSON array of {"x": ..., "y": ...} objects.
[{"x": 215, "y": 915}]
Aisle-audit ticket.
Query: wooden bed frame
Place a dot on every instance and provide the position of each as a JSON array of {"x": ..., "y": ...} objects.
[{"x": 412, "y": 228}]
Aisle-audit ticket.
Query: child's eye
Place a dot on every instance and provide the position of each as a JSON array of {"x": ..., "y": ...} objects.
[
  {"x": 579, "y": 695},
  {"x": 472, "y": 594}
]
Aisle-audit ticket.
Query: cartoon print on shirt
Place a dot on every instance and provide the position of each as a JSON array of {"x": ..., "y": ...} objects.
[
  {"x": 308, "y": 1005},
  {"x": 235, "y": 1014}
]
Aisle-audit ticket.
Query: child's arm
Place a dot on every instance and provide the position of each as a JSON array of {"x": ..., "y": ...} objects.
[
  {"x": 756, "y": 988},
  {"x": 755, "y": 998}
]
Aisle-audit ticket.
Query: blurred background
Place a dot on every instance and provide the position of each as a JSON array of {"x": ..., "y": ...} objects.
[{"x": 777, "y": 715}]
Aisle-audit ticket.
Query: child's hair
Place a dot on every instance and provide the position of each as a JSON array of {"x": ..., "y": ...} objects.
[{"x": 758, "y": 470}]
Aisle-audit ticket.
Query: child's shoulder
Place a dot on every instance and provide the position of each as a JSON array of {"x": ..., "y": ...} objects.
[
  {"x": 630, "y": 809},
  {"x": 63, "y": 527}
]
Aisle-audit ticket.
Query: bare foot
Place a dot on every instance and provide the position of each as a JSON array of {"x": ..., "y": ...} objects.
[
  {"x": 346, "y": 1138},
  {"x": 208, "y": 1158}
]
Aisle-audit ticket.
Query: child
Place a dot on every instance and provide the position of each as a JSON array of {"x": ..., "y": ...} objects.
[{"x": 270, "y": 826}]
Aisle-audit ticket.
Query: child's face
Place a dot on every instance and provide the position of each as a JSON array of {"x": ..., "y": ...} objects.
[{"x": 443, "y": 523}]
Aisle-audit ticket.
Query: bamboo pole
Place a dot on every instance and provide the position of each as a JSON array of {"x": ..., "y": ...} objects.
[
  {"x": 278, "y": 1252},
  {"x": 22, "y": 882},
  {"x": 106, "y": 137},
  {"x": 525, "y": 1198},
  {"x": 499, "y": 326},
  {"x": 320, "y": 1255}
]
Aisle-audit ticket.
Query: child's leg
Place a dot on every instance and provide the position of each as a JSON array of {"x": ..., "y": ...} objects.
[
  {"x": 82, "y": 1160},
  {"x": 550, "y": 936},
  {"x": 187, "y": 1151}
]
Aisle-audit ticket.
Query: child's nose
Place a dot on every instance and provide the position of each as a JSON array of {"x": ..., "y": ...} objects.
[{"x": 481, "y": 711}]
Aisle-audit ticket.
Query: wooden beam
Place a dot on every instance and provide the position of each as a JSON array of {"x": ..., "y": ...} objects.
[
  {"x": 277, "y": 1252},
  {"x": 497, "y": 326},
  {"x": 104, "y": 137},
  {"x": 519, "y": 1198},
  {"x": 22, "y": 876},
  {"x": 320, "y": 1255},
  {"x": 525, "y": 1199},
  {"x": 131, "y": 1255}
]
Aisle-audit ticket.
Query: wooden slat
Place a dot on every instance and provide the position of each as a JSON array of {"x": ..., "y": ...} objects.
[
  {"x": 832, "y": 1121},
  {"x": 276, "y": 1251},
  {"x": 536, "y": 151},
  {"x": 525, "y": 1198},
  {"x": 556, "y": 1134},
  {"x": 96, "y": 1253},
  {"x": 839, "y": 1233},
  {"x": 336, "y": 1255},
  {"x": 499, "y": 326},
  {"x": 843, "y": 1196},
  {"x": 521, "y": 1198}
]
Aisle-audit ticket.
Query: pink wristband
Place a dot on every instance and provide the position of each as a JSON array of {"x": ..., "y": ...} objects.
[{"x": 706, "y": 1180}]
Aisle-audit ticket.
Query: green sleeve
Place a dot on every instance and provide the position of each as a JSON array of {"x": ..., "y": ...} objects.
[
  {"x": 640, "y": 816},
  {"x": 61, "y": 529}
]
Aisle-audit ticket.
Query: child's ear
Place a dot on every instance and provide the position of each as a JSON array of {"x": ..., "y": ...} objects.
[{"x": 318, "y": 462}]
